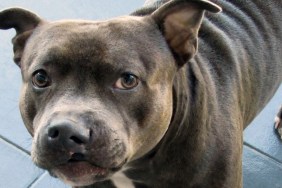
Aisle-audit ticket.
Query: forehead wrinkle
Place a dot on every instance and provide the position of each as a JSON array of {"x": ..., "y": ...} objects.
[
  {"x": 73, "y": 43},
  {"x": 70, "y": 54},
  {"x": 68, "y": 38}
]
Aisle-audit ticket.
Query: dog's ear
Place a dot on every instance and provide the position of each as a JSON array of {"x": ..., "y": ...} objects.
[
  {"x": 180, "y": 21},
  {"x": 24, "y": 22}
]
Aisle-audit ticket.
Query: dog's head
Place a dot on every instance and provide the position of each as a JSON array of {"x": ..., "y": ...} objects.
[{"x": 97, "y": 95}]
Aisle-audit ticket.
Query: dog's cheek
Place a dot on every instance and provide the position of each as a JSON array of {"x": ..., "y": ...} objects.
[
  {"x": 27, "y": 109},
  {"x": 153, "y": 118}
]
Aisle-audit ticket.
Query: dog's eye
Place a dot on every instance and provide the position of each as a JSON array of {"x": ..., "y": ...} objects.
[
  {"x": 127, "y": 81},
  {"x": 40, "y": 79}
]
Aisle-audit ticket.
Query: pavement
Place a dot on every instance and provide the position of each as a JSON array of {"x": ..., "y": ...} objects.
[{"x": 262, "y": 156}]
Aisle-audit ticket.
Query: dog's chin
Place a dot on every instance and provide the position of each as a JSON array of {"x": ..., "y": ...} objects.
[{"x": 81, "y": 173}]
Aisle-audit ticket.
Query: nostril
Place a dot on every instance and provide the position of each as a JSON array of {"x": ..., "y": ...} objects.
[
  {"x": 76, "y": 140},
  {"x": 53, "y": 133},
  {"x": 90, "y": 133}
]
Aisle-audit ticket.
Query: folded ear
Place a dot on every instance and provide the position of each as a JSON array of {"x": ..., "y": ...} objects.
[
  {"x": 180, "y": 21},
  {"x": 24, "y": 22}
]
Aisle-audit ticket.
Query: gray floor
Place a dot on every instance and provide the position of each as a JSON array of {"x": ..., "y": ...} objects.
[{"x": 262, "y": 159}]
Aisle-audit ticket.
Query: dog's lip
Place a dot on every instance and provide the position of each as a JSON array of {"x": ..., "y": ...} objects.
[{"x": 81, "y": 171}]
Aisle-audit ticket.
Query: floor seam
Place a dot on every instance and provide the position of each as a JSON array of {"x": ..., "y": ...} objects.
[
  {"x": 263, "y": 153},
  {"x": 15, "y": 145},
  {"x": 36, "y": 180}
]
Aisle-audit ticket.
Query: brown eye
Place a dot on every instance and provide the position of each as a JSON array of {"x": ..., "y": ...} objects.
[
  {"x": 127, "y": 81},
  {"x": 40, "y": 79}
]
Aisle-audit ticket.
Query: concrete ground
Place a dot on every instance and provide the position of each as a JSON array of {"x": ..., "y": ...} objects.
[{"x": 262, "y": 159}]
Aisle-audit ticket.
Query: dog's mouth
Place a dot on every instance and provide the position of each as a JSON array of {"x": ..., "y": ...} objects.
[{"x": 79, "y": 172}]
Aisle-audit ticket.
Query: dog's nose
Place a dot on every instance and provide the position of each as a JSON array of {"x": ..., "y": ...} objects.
[{"x": 67, "y": 135}]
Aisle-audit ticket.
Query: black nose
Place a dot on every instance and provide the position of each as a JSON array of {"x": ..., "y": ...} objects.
[{"x": 67, "y": 136}]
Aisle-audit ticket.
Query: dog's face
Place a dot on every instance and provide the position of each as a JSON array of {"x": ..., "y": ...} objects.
[
  {"x": 97, "y": 95},
  {"x": 89, "y": 92}
]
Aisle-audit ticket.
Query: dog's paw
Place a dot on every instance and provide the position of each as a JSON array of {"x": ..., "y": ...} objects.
[{"x": 278, "y": 122}]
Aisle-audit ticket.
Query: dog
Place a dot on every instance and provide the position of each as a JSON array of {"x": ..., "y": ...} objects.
[{"x": 159, "y": 98}]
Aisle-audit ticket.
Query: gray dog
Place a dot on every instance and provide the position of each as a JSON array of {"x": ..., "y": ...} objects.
[{"x": 133, "y": 102}]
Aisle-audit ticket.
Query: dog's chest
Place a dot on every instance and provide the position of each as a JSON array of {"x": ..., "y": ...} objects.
[{"x": 120, "y": 180}]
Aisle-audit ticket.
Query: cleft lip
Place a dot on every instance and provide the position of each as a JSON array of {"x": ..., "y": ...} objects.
[{"x": 76, "y": 157}]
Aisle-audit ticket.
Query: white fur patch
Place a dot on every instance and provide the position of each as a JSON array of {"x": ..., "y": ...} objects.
[
  {"x": 276, "y": 119},
  {"x": 121, "y": 181}
]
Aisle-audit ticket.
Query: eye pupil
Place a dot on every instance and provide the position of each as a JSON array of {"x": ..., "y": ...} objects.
[
  {"x": 128, "y": 80},
  {"x": 41, "y": 78}
]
